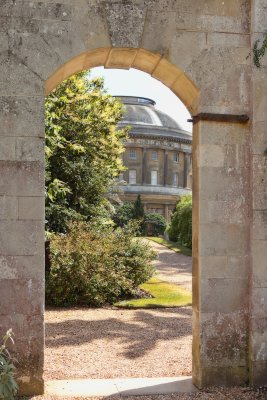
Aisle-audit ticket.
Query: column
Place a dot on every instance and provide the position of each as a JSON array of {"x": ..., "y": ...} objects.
[
  {"x": 144, "y": 166},
  {"x": 221, "y": 253},
  {"x": 165, "y": 176}
]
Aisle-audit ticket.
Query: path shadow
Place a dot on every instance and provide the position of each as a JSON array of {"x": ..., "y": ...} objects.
[{"x": 137, "y": 337}]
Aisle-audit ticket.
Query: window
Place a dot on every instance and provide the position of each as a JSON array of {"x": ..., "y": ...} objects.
[
  {"x": 132, "y": 176},
  {"x": 175, "y": 179},
  {"x": 132, "y": 154},
  {"x": 154, "y": 155},
  {"x": 154, "y": 177},
  {"x": 175, "y": 157},
  {"x": 121, "y": 178}
]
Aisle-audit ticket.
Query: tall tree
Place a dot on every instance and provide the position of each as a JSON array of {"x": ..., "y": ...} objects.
[
  {"x": 138, "y": 212},
  {"x": 83, "y": 148}
]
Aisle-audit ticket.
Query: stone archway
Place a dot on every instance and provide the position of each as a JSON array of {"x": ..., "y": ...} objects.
[{"x": 202, "y": 53}]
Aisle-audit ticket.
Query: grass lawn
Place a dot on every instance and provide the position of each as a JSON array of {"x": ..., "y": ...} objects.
[
  {"x": 172, "y": 245},
  {"x": 164, "y": 295}
]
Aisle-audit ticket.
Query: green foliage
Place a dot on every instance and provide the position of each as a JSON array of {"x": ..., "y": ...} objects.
[
  {"x": 83, "y": 148},
  {"x": 93, "y": 265},
  {"x": 8, "y": 385},
  {"x": 258, "y": 52},
  {"x": 138, "y": 212},
  {"x": 158, "y": 222},
  {"x": 180, "y": 229},
  {"x": 123, "y": 214}
]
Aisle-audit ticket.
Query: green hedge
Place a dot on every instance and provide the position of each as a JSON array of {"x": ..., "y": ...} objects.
[
  {"x": 180, "y": 229},
  {"x": 92, "y": 266}
]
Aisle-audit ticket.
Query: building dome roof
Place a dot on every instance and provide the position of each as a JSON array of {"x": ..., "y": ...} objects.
[{"x": 145, "y": 118}]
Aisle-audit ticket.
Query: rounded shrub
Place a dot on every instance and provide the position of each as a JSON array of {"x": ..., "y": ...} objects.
[{"x": 94, "y": 266}]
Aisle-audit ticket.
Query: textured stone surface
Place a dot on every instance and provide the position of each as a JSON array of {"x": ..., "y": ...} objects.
[{"x": 202, "y": 51}]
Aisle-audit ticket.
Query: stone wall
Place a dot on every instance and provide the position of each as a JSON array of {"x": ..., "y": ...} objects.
[
  {"x": 258, "y": 323},
  {"x": 201, "y": 50}
]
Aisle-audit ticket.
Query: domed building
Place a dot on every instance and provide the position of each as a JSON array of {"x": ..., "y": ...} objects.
[{"x": 158, "y": 157}]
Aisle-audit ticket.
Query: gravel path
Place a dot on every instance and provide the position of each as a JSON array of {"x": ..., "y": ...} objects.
[
  {"x": 112, "y": 343},
  {"x": 173, "y": 267},
  {"x": 211, "y": 394}
]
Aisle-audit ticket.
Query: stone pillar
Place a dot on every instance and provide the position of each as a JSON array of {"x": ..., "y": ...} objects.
[
  {"x": 258, "y": 322},
  {"x": 22, "y": 229},
  {"x": 166, "y": 212},
  {"x": 144, "y": 166},
  {"x": 221, "y": 206}
]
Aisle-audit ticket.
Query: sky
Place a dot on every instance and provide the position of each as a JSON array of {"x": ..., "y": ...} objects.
[{"x": 137, "y": 83}]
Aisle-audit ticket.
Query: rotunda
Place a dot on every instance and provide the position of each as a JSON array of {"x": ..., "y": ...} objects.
[{"x": 158, "y": 157}]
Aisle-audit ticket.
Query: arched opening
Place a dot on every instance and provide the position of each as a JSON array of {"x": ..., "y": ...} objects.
[
  {"x": 154, "y": 64},
  {"x": 148, "y": 62}
]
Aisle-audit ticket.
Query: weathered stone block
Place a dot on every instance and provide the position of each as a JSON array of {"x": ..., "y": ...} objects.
[
  {"x": 258, "y": 373},
  {"x": 259, "y": 302},
  {"x": 259, "y": 142},
  {"x": 223, "y": 239},
  {"x": 224, "y": 266},
  {"x": 259, "y": 228},
  {"x": 8, "y": 208},
  {"x": 259, "y": 346},
  {"x": 19, "y": 267},
  {"x": 21, "y": 178},
  {"x": 31, "y": 208},
  {"x": 7, "y": 148},
  {"x": 224, "y": 339},
  {"x": 260, "y": 98},
  {"x": 30, "y": 149},
  {"x": 259, "y": 11},
  {"x": 21, "y": 116},
  {"x": 26, "y": 295},
  {"x": 213, "y": 133},
  {"x": 211, "y": 155},
  {"x": 223, "y": 376},
  {"x": 36, "y": 10},
  {"x": 235, "y": 212},
  {"x": 181, "y": 41},
  {"x": 223, "y": 295},
  {"x": 224, "y": 85},
  {"x": 150, "y": 38},
  {"x": 224, "y": 184},
  {"x": 21, "y": 238},
  {"x": 13, "y": 68},
  {"x": 259, "y": 186}
]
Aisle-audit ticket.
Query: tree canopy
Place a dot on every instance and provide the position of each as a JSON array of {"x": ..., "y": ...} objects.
[{"x": 83, "y": 148}]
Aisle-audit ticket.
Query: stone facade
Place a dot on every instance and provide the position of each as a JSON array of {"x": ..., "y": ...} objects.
[
  {"x": 156, "y": 145},
  {"x": 201, "y": 50}
]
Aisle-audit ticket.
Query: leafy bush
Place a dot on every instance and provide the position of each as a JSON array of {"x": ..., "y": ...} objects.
[
  {"x": 8, "y": 385},
  {"x": 123, "y": 214},
  {"x": 92, "y": 265},
  {"x": 158, "y": 222},
  {"x": 180, "y": 229}
]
